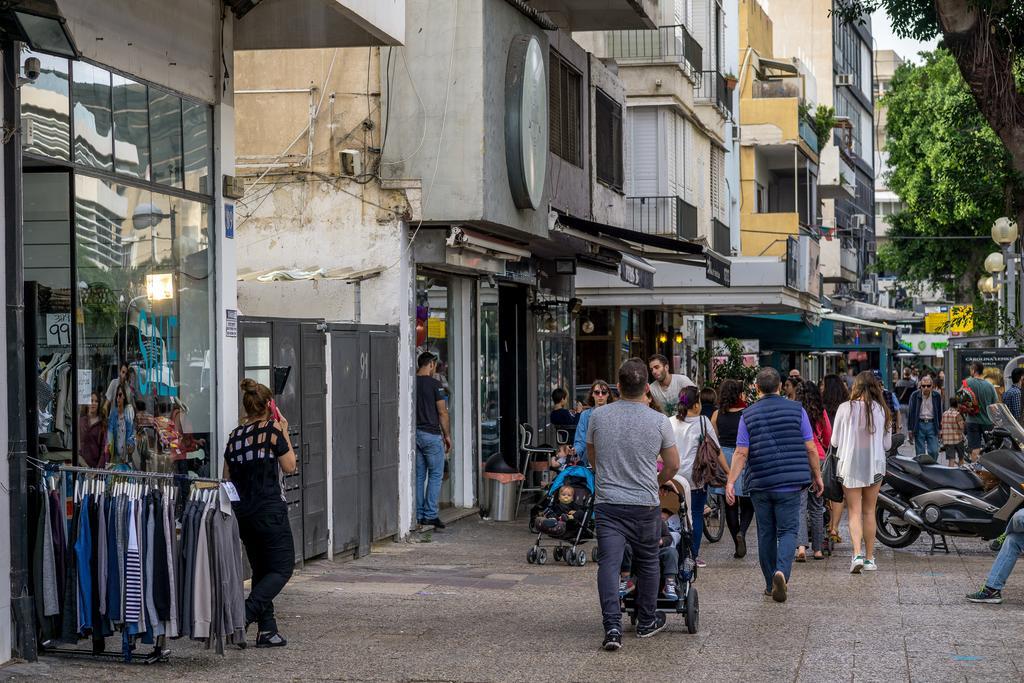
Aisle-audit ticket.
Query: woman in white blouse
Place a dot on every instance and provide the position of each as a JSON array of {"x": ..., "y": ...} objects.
[{"x": 862, "y": 436}]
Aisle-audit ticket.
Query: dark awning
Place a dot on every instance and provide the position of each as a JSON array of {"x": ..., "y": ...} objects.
[{"x": 653, "y": 246}]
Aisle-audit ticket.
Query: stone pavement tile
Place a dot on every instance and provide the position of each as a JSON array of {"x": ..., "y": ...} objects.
[
  {"x": 925, "y": 669},
  {"x": 382, "y": 588},
  {"x": 507, "y": 577}
]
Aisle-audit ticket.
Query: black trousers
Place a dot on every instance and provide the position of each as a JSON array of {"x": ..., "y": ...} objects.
[
  {"x": 639, "y": 528},
  {"x": 267, "y": 537}
]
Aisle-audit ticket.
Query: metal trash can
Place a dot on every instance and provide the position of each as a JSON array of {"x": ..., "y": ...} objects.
[{"x": 502, "y": 492}]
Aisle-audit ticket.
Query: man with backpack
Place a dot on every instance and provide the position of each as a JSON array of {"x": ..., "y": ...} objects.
[{"x": 975, "y": 396}]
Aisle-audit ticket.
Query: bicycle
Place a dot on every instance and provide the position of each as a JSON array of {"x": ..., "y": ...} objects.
[{"x": 714, "y": 517}]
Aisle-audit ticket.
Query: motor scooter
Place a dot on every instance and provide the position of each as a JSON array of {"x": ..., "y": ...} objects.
[{"x": 953, "y": 501}]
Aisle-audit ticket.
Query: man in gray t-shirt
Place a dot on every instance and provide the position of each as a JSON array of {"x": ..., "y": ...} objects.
[{"x": 624, "y": 440}]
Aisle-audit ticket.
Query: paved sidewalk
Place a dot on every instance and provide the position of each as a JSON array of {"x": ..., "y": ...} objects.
[{"x": 467, "y": 607}]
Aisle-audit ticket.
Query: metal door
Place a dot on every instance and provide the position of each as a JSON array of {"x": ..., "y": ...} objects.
[
  {"x": 313, "y": 389},
  {"x": 287, "y": 353},
  {"x": 349, "y": 406},
  {"x": 384, "y": 432}
]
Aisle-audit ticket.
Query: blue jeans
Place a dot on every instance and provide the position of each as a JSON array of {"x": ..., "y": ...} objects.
[
  {"x": 1008, "y": 554},
  {"x": 777, "y": 523},
  {"x": 429, "y": 470},
  {"x": 698, "y": 498},
  {"x": 926, "y": 439}
]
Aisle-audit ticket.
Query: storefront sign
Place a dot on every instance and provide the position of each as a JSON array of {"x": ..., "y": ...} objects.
[
  {"x": 632, "y": 275},
  {"x": 990, "y": 358},
  {"x": 717, "y": 268},
  {"x": 229, "y": 221},
  {"x": 946, "y": 321},
  {"x": 230, "y": 322},
  {"x": 436, "y": 328},
  {"x": 84, "y": 387},
  {"x": 58, "y": 330},
  {"x": 925, "y": 344}
]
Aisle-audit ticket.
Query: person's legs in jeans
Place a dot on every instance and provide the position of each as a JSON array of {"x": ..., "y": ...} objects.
[
  {"x": 698, "y": 498},
  {"x": 816, "y": 506},
  {"x": 270, "y": 537},
  {"x": 802, "y": 533},
  {"x": 920, "y": 440},
  {"x": 931, "y": 436},
  {"x": 787, "y": 508},
  {"x": 668, "y": 558},
  {"x": 611, "y": 543},
  {"x": 421, "y": 472},
  {"x": 433, "y": 454},
  {"x": 647, "y": 531},
  {"x": 767, "y": 545}
]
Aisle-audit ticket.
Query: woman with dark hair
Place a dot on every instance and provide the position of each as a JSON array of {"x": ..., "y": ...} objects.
[
  {"x": 708, "y": 401},
  {"x": 809, "y": 396},
  {"x": 726, "y": 421},
  {"x": 600, "y": 394},
  {"x": 258, "y": 455},
  {"x": 690, "y": 427},
  {"x": 862, "y": 436},
  {"x": 92, "y": 433},
  {"x": 789, "y": 387},
  {"x": 120, "y": 428},
  {"x": 834, "y": 393}
]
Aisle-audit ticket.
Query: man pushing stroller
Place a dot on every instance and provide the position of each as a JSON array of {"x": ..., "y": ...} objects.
[{"x": 624, "y": 440}]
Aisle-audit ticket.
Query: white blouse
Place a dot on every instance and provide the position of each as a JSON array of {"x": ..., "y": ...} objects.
[
  {"x": 688, "y": 439},
  {"x": 861, "y": 453}
]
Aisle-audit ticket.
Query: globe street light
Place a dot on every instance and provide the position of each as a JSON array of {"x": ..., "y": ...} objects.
[
  {"x": 995, "y": 263},
  {"x": 987, "y": 285},
  {"x": 1005, "y": 233}
]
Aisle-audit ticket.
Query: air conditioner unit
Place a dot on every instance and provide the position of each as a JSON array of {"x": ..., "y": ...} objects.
[
  {"x": 736, "y": 133},
  {"x": 867, "y": 286},
  {"x": 845, "y": 80},
  {"x": 351, "y": 162},
  {"x": 858, "y": 220}
]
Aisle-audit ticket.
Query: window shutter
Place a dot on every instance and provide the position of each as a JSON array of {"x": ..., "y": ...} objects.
[
  {"x": 643, "y": 148},
  {"x": 555, "y": 103}
]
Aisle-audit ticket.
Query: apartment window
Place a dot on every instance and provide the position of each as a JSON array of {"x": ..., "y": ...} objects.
[
  {"x": 566, "y": 94},
  {"x": 761, "y": 197},
  {"x": 609, "y": 141},
  {"x": 717, "y": 181}
]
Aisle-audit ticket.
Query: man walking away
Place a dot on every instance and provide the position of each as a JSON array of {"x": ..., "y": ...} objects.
[
  {"x": 666, "y": 387},
  {"x": 979, "y": 423},
  {"x": 433, "y": 439},
  {"x": 624, "y": 440},
  {"x": 1012, "y": 397},
  {"x": 923, "y": 420},
  {"x": 776, "y": 440},
  {"x": 903, "y": 389}
]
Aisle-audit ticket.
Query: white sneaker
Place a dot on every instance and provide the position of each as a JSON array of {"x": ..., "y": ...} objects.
[
  {"x": 870, "y": 566},
  {"x": 856, "y": 564}
]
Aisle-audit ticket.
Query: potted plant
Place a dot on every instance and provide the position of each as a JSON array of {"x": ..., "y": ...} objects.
[{"x": 730, "y": 80}]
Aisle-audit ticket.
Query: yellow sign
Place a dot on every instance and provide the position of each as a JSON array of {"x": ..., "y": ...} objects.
[
  {"x": 958, "y": 319},
  {"x": 436, "y": 328}
]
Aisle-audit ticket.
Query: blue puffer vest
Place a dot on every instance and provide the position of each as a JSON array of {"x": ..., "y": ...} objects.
[{"x": 778, "y": 457}]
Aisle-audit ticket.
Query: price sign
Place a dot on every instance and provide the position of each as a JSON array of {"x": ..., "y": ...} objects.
[{"x": 58, "y": 329}]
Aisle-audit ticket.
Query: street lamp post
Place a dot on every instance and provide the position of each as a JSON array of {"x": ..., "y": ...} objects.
[{"x": 1004, "y": 233}]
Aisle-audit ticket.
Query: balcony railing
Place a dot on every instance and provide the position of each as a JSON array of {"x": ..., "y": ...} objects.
[
  {"x": 668, "y": 216},
  {"x": 665, "y": 44},
  {"x": 712, "y": 89},
  {"x": 807, "y": 134},
  {"x": 721, "y": 240},
  {"x": 779, "y": 88}
]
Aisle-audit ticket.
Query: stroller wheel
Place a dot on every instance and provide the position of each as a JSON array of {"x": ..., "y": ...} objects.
[
  {"x": 558, "y": 553},
  {"x": 542, "y": 556},
  {"x": 692, "y": 610},
  {"x": 570, "y": 558},
  {"x": 531, "y": 555},
  {"x": 581, "y": 558}
]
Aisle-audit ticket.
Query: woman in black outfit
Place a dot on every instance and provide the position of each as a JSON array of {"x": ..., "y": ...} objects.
[
  {"x": 834, "y": 393},
  {"x": 258, "y": 455},
  {"x": 726, "y": 421}
]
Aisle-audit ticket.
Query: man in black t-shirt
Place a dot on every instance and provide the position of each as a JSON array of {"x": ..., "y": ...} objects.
[
  {"x": 433, "y": 439},
  {"x": 903, "y": 389}
]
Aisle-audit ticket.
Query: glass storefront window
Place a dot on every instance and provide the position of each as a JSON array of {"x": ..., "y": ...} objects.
[
  {"x": 131, "y": 128},
  {"x": 145, "y": 302},
  {"x": 46, "y": 109},
  {"x": 554, "y": 357},
  {"x": 94, "y": 139},
  {"x": 165, "y": 137},
  {"x": 198, "y": 127}
]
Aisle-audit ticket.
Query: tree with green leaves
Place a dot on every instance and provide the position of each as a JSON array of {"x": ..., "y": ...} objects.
[{"x": 952, "y": 173}]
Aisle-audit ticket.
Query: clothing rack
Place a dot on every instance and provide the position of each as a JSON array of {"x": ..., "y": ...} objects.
[{"x": 131, "y": 473}]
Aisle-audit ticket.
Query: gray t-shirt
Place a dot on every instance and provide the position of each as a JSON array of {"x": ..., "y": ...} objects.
[
  {"x": 668, "y": 399},
  {"x": 627, "y": 438}
]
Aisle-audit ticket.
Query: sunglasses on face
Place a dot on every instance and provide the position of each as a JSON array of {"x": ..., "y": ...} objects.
[
  {"x": 600, "y": 392},
  {"x": 926, "y": 386}
]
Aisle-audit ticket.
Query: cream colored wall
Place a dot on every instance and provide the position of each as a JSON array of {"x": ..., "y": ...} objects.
[
  {"x": 804, "y": 30},
  {"x": 756, "y": 29}
]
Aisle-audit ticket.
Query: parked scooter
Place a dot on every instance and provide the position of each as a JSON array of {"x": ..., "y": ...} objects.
[{"x": 952, "y": 501}]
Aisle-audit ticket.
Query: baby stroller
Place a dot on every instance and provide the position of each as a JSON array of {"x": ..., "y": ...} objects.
[
  {"x": 569, "y": 535},
  {"x": 688, "y": 604}
]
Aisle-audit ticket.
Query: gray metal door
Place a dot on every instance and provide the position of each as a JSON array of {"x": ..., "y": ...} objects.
[
  {"x": 350, "y": 426},
  {"x": 384, "y": 431},
  {"x": 313, "y": 387},
  {"x": 287, "y": 340}
]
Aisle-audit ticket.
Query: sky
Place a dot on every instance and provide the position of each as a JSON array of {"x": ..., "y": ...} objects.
[{"x": 885, "y": 39}]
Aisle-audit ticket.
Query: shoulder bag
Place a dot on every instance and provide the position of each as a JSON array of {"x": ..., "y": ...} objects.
[
  {"x": 707, "y": 471},
  {"x": 829, "y": 475}
]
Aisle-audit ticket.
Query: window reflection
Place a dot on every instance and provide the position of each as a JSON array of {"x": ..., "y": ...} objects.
[
  {"x": 131, "y": 127},
  {"x": 198, "y": 125},
  {"x": 165, "y": 137},
  {"x": 94, "y": 139},
  {"x": 46, "y": 110}
]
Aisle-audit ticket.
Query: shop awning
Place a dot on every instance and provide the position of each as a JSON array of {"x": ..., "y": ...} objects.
[
  {"x": 849, "y": 319},
  {"x": 308, "y": 24},
  {"x": 657, "y": 247}
]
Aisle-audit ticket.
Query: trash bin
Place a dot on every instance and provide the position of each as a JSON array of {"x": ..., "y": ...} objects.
[{"x": 503, "y": 490}]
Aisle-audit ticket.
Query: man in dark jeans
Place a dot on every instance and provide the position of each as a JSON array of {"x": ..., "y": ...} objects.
[
  {"x": 775, "y": 440},
  {"x": 624, "y": 440}
]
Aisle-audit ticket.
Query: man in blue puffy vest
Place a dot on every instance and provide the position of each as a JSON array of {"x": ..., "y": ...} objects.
[{"x": 776, "y": 442}]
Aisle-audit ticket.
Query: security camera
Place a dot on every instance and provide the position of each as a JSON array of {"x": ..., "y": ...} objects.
[{"x": 32, "y": 69}]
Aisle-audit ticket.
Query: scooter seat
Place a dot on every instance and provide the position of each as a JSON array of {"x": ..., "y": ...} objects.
[{"x": 942, "y": 477}]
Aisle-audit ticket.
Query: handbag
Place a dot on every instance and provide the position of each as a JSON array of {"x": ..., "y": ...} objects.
[
  {"x": 707, "y": 471},
  {"x": 830, "y": 476}
]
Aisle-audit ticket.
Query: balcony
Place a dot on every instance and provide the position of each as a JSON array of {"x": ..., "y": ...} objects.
[
  {"x": 712, "y": 90},
  {"x": 667, "y": 44},
  {"x": 765, "y": 234},
  {"x": 721, "y": 239},
  {"x": 770, "y": 114},
  {"x": 839, "y": 262},
  {"x": 668, "y": 216},
  {"x": 587, "y": 15}
]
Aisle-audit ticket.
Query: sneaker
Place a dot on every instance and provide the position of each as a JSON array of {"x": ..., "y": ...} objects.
[
  {"x": 779, "y": 587},
  {"x": 268, "y": 639},
  {"x": 701, "y": 563},
  {"x": 625, "y": 587},
  {"x": 856, "y": 564},
  {"x": 670, "y": 590},
  {"x": 436, "y": 523},
  {"x": 647, "y": 631},
  {"x": 990, "y": 596},
  {"x": 741, "y": 547},
  {"x": 870, "y": 566},
  {"x": 612, "y": 640}
]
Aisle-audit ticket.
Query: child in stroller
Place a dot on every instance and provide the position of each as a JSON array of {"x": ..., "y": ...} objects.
[{"x": 567, "y": 515}]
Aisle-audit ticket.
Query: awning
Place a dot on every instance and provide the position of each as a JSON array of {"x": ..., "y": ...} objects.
[
  {"x": 849, "y": 319},
  {"x": 656, "y": 247},
  {"x": 862, "y": 309},
  {"x": 787, "y": 67}
]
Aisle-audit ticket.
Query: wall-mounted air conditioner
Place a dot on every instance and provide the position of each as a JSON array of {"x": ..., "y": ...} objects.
[{"x": 845, "y": 80}]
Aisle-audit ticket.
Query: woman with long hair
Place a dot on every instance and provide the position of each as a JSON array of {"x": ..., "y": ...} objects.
[
  {"x": 809, "y": 396},
  {"x": 834, "y": 393},
  {"x": 726, "y": 421},
  {"x": 120, "y": 428},
  {"x": 92, "y": 433},
  {"x": 862, "y": 436},
  {"x": 690, "y": 427},
  {"x": 259, "y": 453},
  {"x": 600, "y": 394}
]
